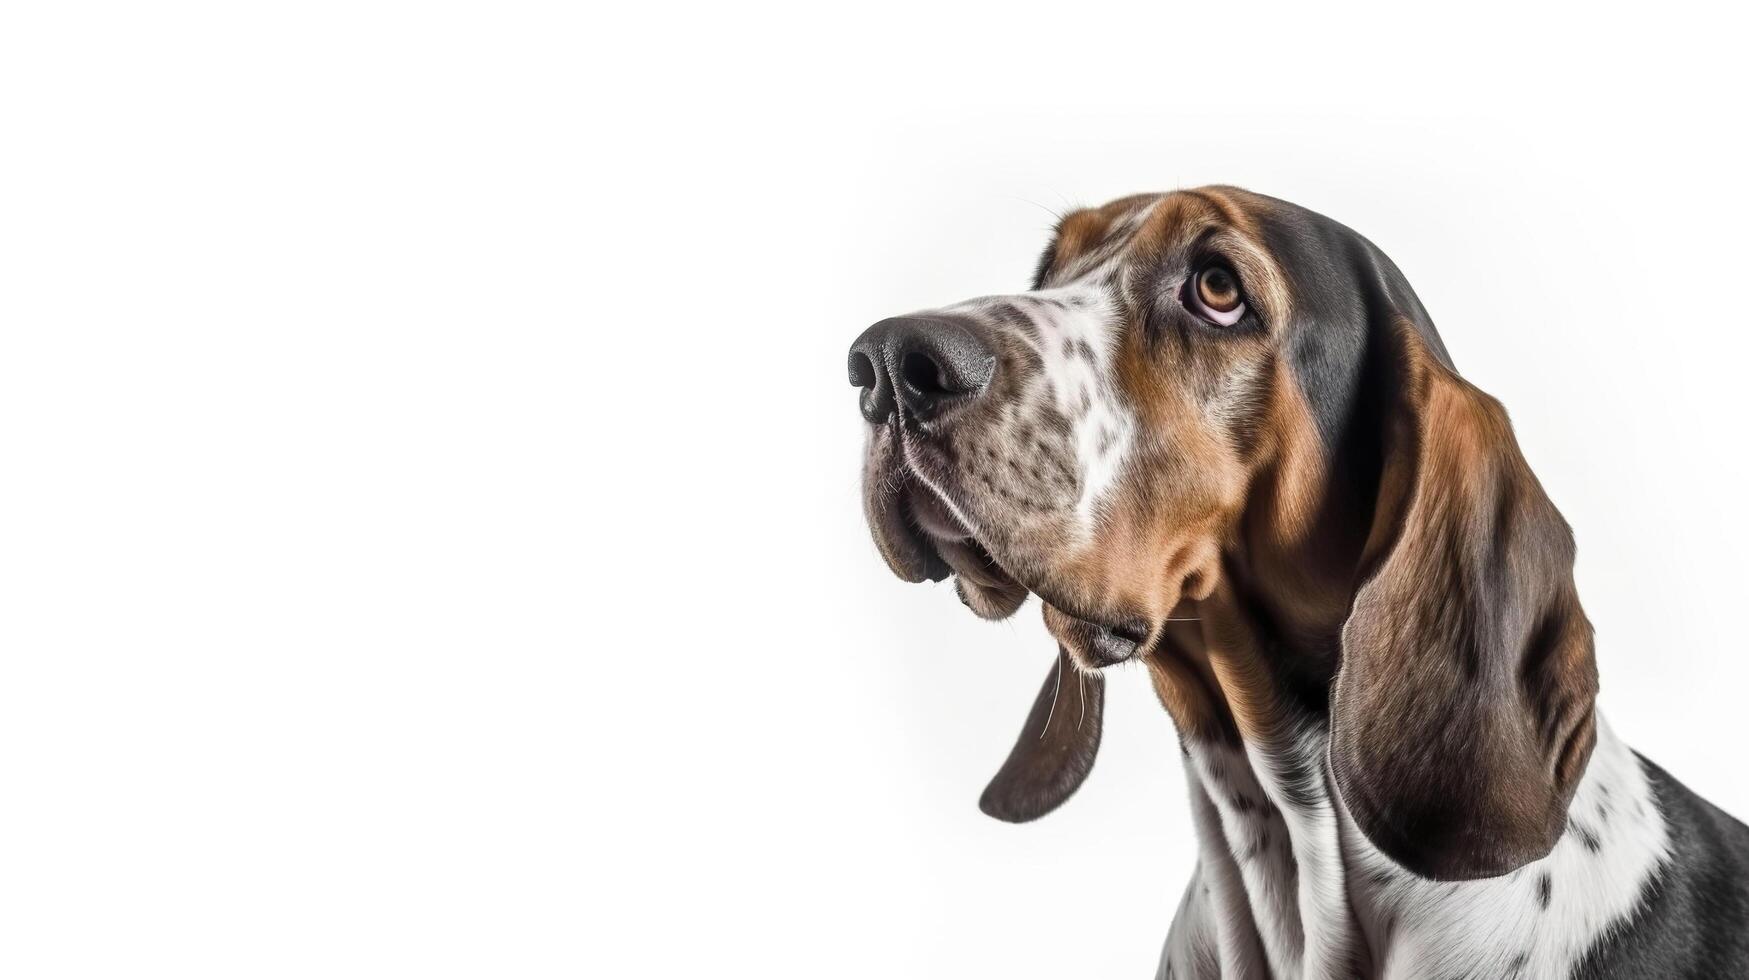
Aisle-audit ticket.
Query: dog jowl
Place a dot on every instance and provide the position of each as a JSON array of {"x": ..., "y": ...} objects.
[{"x": 1092, "y": 440}]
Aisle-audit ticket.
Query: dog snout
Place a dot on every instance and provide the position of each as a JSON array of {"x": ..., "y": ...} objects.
[{"x": 919, "y": 365}]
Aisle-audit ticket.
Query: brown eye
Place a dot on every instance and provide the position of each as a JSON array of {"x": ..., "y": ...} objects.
[
  {"x": 1214, "y": 295},
  {"x": 1217, "y": 289}
]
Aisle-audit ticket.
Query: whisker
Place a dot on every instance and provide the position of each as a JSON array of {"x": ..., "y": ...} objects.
[
  {"x": 1053, "y": 212},
  {"x": 1052, "y": 713}
]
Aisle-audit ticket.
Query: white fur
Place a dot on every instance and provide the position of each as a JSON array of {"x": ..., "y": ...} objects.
[
  {"x": 1086, "y": 316},
  {"x": 1340, "y": 904},
  {"x": 1078, "y": 329}
]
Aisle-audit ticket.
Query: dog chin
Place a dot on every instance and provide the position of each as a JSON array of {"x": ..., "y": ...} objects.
[{"x": 1093, "y": 646}]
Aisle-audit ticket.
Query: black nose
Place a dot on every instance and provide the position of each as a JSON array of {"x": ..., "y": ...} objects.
[{"x": 920, "y": 363}]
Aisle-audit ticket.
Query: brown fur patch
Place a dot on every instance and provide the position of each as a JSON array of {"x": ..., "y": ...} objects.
[
  {"x": 1224, "y": 426},
  {"x": 1313, "y": 516},
  {"x": 1463, "y": 714}
]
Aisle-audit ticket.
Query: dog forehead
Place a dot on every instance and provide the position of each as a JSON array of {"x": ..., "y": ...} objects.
[
  {"x": 1086, "y": 228},
  {"x": 1145, "y": 228}
]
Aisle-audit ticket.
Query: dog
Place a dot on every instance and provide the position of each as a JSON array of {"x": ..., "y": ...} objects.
[{"x": 1221, "y": 437}]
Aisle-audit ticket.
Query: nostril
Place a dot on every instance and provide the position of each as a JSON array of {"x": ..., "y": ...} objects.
[
  {"x": 923, "y": 375},
  {"x": 913, "y": 365},
  {"x": 862, "y": 370}
]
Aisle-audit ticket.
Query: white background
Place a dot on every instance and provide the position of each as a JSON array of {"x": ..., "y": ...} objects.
[{"x": 429, "y": 529}]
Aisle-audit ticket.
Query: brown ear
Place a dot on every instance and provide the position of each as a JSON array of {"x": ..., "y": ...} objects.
[
  {"x": 1462, "y": 714},
  {"x": 1056, "y": 747}
]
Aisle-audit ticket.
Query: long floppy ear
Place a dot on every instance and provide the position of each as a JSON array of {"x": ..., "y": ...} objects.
[
  {"x": 1462, "y": 715},
  {"x": 1055, "y": 750}
]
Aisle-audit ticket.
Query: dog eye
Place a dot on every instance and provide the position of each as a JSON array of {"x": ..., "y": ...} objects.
[{"x": 1213, "y": 294}]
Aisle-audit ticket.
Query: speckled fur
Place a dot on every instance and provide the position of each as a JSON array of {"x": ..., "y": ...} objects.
[{"x": 1304, "y": 894}]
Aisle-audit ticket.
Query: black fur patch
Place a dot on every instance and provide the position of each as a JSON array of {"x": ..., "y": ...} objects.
[{"x": 1693, "y": 919}]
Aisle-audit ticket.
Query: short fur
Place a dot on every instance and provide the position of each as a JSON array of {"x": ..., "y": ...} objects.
[{"x": 1349, "y": 590}]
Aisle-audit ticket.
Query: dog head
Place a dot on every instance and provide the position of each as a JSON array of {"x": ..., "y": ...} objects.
[{"x": 1220, "y": 436}]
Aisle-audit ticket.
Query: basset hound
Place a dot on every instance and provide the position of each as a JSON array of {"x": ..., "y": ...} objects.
[{"x": 1221, "y": 437}]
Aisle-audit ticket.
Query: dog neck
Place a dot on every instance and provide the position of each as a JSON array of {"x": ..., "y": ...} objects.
[{"x": 1288, "y": 886}]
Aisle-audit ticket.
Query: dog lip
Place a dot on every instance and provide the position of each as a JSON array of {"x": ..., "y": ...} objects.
[
  {"x": 923, "y": 536},
  {"x": 984, "y": 585},
  {"x": 911, "y": 554},
  {"x": 935, "y": 566},
  {"x": 934, "y": 519}
]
